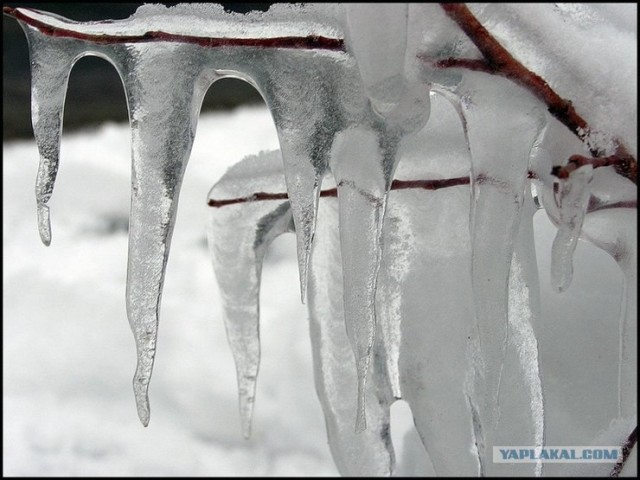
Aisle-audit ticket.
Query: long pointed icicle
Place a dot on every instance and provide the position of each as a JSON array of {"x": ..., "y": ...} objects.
[
  {"x": 51, "y": 63},
  {"x": 524, "y": 315},
  {"x": 239, "y": 236},
  {"x": 499, "y": 174},
  {"x": 362, "y": 194},
  {"x": 368, "y": 453},
  {"x": 305, "y": 137},
  {"x": 362, "y": 200},
  {"x": 163, "y": 112},
  {"x": 615, "y": 231},
  {"x": 304, "y": 181},
  {"x": 572, "y": 200}
]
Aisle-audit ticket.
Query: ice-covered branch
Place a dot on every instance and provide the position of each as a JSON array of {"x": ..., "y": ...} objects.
[
  {"x": 308, "y": 42},
  {"x": 498, "y": 60},
  {"x": 622, "y": 162},
  {"x": 333, "y": 192}
]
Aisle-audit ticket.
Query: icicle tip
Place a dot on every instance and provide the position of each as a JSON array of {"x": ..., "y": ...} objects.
[
  {"x": 246, "y": 429},
  {"x": 361, "y": 416},
  {"x": 143, "y": 411},
  {"x": 141, "y": 395},
  {"x": 44, "y": 224}
]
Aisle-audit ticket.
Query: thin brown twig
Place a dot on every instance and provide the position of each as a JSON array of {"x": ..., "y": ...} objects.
[
  {"x": 594, "y": 202},
  {"x": 333, "y": 192},
  {"x": 620, "y": 163},
  {"x": 499, "y": 61},
  {"x": 628, "y": 445}
]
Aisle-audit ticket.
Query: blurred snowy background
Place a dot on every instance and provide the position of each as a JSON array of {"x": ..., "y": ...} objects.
[{"x": 69, "y": 355}]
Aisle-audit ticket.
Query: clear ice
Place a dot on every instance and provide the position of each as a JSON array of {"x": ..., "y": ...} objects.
[
  {"x": 419, "y": 267},
  {"x": 572, "y": 199}
]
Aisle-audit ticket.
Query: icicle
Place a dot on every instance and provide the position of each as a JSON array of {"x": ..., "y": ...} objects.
[
  {"x": 436, "y": 326},
  {"x": 362, "y": 194},
  {"x": 163, "y": 109},
  {"x": 572, "y": 199},
  {"x": 431, "y": 230},
  {"x": 524, "y": 315},
  {"x": 239, "y": 235},
  {"x": 304, "y": 181},
  {"x": 368, "y": 453},
  {"x": 239, "y": 232},
  {"x": 389, "y": 298},
  {"x": 51, "y": 63},
  {"x": 381, "y": 68},
  {"x": 363, "y": 163},
  {"x": 500, "y": 137},
  {"x": 306, "y": 137},
  {"x": 615, "y": 231}
]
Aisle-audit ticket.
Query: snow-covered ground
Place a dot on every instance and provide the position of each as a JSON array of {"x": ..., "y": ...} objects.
[{"x": 69, "y": 355}]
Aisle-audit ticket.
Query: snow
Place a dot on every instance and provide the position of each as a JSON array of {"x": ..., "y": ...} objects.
[
  {"x": 69, "y": 356},
  {"x": 68, "y": 350}
]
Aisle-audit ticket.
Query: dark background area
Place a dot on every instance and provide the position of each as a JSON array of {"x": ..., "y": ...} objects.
[{"x": 95, "y": 92}]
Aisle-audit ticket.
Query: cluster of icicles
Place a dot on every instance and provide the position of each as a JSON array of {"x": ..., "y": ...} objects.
[{"x": 347, "y": 113}]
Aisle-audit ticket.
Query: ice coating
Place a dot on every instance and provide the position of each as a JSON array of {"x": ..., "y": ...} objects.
[
  {"x": 554, "y": 39},
  {"x": 205, "y": 20},
  {"x": 363, "y": 184},
  {"x": 572, "y": 200}
]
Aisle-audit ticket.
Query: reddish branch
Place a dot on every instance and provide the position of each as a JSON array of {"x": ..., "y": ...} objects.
[
  {"x": 631, "y": 442},
  {"x": 497, "y": 60},
  {"x": 333, "y": 192},
  {"x": 309, "y": 42},
  {"x": 594, "y": 202},
  {"x": 624, "y": 165}
]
